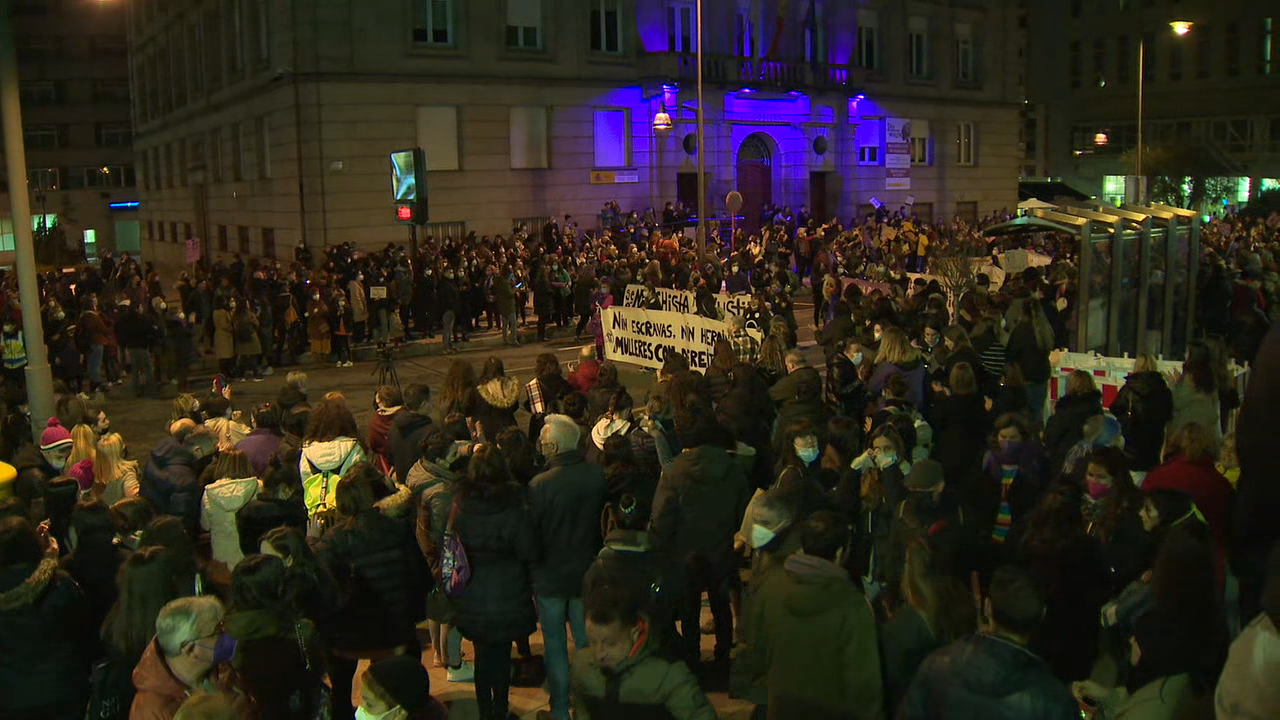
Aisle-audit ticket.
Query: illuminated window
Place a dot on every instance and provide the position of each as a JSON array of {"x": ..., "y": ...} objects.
[
  {"x": 920, "y": 145},
  {"x": 612, "y": 138},
  {"x": 1113, "y": 189},
  {"x": 524, "y": 24},
  {"x": 606, "y": 26},
  {"x": 869, "y": 139},
  {"x": 44, "y": 178},
  {"x": 682, "y": 28},
  {"x": 434, "y": 23},
  {"x": 105, "y": 177}
]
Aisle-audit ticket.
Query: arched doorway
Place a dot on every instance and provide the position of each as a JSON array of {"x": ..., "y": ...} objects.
[{"x": 755, "y": 179}]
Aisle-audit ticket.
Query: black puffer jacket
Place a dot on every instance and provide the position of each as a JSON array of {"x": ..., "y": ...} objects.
[
  {"x": 498, "y": 535},
  {"x": 43, "y": 639},
  {"x": 376, "y": 562},
  {"x": 404, "y": 441},
  {"x": 171, "y": 481},
  {"x": 1144, "y": 406},
  {"x": 846, "y": 393},
  {"x": 698, "y": 507},
  {"x": 262, "y": 515},
  {"x": 985, "y": 677},
  {"x": 1066, "y": 426}
]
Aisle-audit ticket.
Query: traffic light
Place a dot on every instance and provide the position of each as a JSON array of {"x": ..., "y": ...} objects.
[{"x": 409, "y": 185}]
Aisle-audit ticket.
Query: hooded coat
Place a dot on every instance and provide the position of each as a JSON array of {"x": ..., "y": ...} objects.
[
  {"x": 497, "y": 532},
  {"x": 1065, "y": 427},
  {"x": 813, "y": 633},
  {"x": 43, "y": 638},
  {"x": 986, "y": 677},
  {"x": 433, "y": 486},
  {"x": 404, "y": 441},
  {"x": 334, "y": 456},
  {"x": 644, "y": 685},
  {"x": 222, "y": 500},
  {"x": 171, "y": 481},
  {"x": 1144, "y": 406},
  {"x": 380, "y": 429},
  {"x": 493, "y": 405}
]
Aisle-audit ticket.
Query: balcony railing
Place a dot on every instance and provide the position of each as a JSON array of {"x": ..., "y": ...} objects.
[{"x": 758, "y": 74}]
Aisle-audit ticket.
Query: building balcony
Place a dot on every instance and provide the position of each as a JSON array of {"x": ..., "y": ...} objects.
[{"x": 755, "y": 73}]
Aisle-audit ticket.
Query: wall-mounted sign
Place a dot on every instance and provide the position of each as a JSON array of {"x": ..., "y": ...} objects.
[{"x": 897, "y": 154}]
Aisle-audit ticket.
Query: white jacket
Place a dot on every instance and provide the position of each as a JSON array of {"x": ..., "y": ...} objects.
[
  {"x": 222, "y": 500},
  {"x": 335, "y": 456}
]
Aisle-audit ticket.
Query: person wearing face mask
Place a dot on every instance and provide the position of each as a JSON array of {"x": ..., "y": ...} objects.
[
  {"x": 188, "y": 654},
  {"x": 797, "y": 467},
  {"x": 622, "y": 674},
  {"x": 814, "y": 634},
  {"x": 14, "y": 351},
  {"x": 846, "y": 393},
  {"x": 1013, "y": 467},
  {"x": 359, "y": 300},
  {"x": 398, "y": 688},
  {"x": 450, "y": 302},
  {"x": 738, "y": 281},
  {"x": 36, "y": 465},
  {"x": 224, "y": 339},
  {"x": 318, "y": 331},
  {"x": 341, "y": 328}
]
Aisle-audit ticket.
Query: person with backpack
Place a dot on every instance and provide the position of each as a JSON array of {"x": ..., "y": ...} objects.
[
  {"x": 493, "y": 531},
  {"x": 330, "y": 448},
  {"x": 369, "y": 550}
]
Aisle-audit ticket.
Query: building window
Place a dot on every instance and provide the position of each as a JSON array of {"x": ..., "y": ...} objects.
[
  {"x": 869, "y": 139},
  {"x": 110, "y": 91},
  {"x": 173, "y": 232},
  {"x": 105, "y": 177},
  {"x": 170, "y": 168},
  {"x": 524, "y": 24},
  {"x": 868, "y": 40},
  {"x": 1148, "y": 68},
  {"x": 967, "y": 210},
  {"x": 264, "y": 147},
  {"x": 746, "y": 35},
  {"x": 186, "y": 231},
  {"x": 529, "y": 138},
  {"x": 1268, "y": 45},
  {"x": 434, "y": 23},
  {"x": 1204, "y": 58},
  {"x": 612, "y": 138},
  {"x": 239, "y": 151},
  {"x": 44, "y": 178},
  {"x": 1123, "y": 61},
  {"x": 222, "y": 238},
  {"x": 109, "y": 47},
  {"x": 606, "y": 26},
  {"x": 1073, "y": 63},
  {"x": 216, "y": 162},
  {"x": 965, "y": 65},
  {"x": 242, "y": 239},
  {"x": 920, "y": 154},
  {"x": 918, "y": 47},
  {"x": 44, "y": 136},
  {"x": 151, "y": 230},
  {"x": 966, "y": 140},
  {"x": 38, "y": 92},
  {"x": 195, "y": 58},
  {"x": 39, "y": 48},
  {"x": 160, "y": 227},
  {"x": 114, "y": 134},
  {"x": 1231, "y": 46},
  {"x": 212, "y": 32},
  {"x": 1100, "y": 62},
  {"x": 195, "y": 150},
  {"x": 269, "y": 243},
  {"x": 682, "y": 30}
]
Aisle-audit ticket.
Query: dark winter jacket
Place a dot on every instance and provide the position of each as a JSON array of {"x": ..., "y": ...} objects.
[
  {"x": 846, "y": 393},
  {"x": 93, "y": 565},
  {"x": 698, "y": 507},
  {"x": 1076, "y": 582},
  {"x": 43, "y": 639},
  {"x": 259, "y": 446},
  {"x": 905, "y": 642},
  {"x": 380, "y": 572},
  {"x": 171, "y": 481},
  {"x": 913, "y": 371},
  {"x": 785, "y": 388},
  {"x": 565, "y": 503},
  {"x": 1144, "y": 406},
  {"x": 960, "y": 428},
  {"x": 432, "y": 487},
  {"x": 279, "y": 662},
  {"x": 262, "y": 515},
  {"x": 1022, "y": 350},
  {"x": 404, "y": 441},
  {"x": 986, "y": 677},
  {"x": 493, "y": 405},
  {"x": 1065, "y": 427},
  {"x": 498, "y": 535},
  {"x": 644, "y": 686}
]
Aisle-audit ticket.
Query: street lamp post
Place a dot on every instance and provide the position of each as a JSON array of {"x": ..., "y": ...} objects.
[
  {"x": 39, "y": 378},
  {"x": 702, "y": 149},
  {"x": 1180, "y": 28}
]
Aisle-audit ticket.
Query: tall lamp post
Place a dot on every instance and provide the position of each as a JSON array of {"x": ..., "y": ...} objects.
[
  {"x": 39, "y": 377},
  {"x": 1180, "y": 28},
  {"x": 702, "y": 150}
]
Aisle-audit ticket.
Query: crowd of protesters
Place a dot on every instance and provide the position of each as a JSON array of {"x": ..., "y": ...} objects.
[{"x": 899, "y": 532}]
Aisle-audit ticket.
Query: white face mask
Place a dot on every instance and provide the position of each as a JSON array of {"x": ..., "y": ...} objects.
[
  {"x": 806, "y": 454},
  {"x": 857, "y": 358},
  {"x": 362, "y": 714},
  {"x": 885, "y": 459},
  {"x": 761, "y": 535}
]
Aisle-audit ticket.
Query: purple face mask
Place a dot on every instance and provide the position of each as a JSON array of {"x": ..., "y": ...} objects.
[{"x": 224, "y": 649}]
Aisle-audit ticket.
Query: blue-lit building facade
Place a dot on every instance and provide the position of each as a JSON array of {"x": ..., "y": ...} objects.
[{"x": 263, "y": 124}]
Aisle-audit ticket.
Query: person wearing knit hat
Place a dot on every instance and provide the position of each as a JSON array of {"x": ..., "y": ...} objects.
[
  {"x": 398, "y": 688},
  {"x": 55, "y": 444}
]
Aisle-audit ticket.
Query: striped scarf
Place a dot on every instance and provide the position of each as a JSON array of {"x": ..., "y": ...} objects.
[{"x": 1004, "y": 516}]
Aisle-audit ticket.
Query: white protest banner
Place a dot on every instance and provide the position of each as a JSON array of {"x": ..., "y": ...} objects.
[
  {"x": 683, "y": 301},
  {"x": 645, "y": 337}
]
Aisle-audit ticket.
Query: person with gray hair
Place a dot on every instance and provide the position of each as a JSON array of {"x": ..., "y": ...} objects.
[
  {"x": 565, "y": 501},
  {"x": 798, "y": 372},
  {"x": 189, "y": 645}
]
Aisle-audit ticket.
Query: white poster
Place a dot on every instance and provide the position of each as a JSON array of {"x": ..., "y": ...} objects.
[
  {"x": 897, "y": 154},
  {"x": 645, "y": 337},
  {"x": 683, "y": 301}
]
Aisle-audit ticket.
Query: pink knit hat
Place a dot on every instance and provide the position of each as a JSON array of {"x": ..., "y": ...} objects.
[{"x": 54, "y": 435}]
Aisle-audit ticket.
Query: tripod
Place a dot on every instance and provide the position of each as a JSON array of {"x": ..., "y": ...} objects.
[{"x": 386, "y": 368}]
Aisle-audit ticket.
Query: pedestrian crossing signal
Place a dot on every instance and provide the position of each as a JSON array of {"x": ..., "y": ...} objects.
[{"x": 404, "y": 213}]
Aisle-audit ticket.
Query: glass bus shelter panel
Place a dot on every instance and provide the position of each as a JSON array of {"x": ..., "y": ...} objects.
[
  {"x": 1156, "y": 247},
  {"x": 1126, "y": 295},
  {"x": 1179, "y": 275},
  {"x": 1099, "y": 294}
]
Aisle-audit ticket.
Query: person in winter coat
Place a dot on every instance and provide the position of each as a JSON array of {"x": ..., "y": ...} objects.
[
  {"x": 262, "y": 442},
  {"x": 1144, "y": 407},
  {"x": 330, "y": 444},
  {"x": 698, "y": 507},
  {"x": 318, "y": 331},
  {"x": 187, "y": 655},
  {"x": 388, "y": 403},
  {"x": 491, "y": 406},
  {"x": 44, "y": 639},
  {"x": 622, "y": 674},
  {"x": 1189, "y": 468},
  {"x": 565, "y": 503},
  {"x": 94, "y": 560},
  {"x": 370, "y": 552},
  {"x": 279, "y": 660},
  {"x": 224, "y": 338},
  {"x": 171, "y": 478},
  {"x": 805, "y": 407},
  {"x": 1247, "y": 687},
  {"x": 232, "y": 486},
  {"x": 493, "y": 524},
  {"x": 341, "y": 323},
  {"x": 277, "y": 504},
  {"x": 846, "y": 392},
  {"x": 359, "y": 300},
  {"x": 960, "y": 424},
  {"x": 992, "y": 674},
  {"x": 408, "y": 428},
  {"x": 798, "y": 370},
  {"x": 1028, "y": 347},
  {"x": 399, "y": 687},
  {"x": 584, "y": 377},
  {"x": 1012, "y": 479},
  {"x": 1065, "y": 427},
  {"x": 38, "y": 465},
  {"x": 545, "y": 392},
  {"x": 897, "y": 356},
  {"x": 245, "y": 327},
  {"x": 815, "y": 633},
  {"x": 504, "y": 301},
  {"x": 1195, "y": 392}
]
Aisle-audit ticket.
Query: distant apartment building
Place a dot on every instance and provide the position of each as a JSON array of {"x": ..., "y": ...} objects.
[
  {"x": 262, "y": 124},
  {"x": 1209, "y": 95},
  {"x": 74, "y": 88}
]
